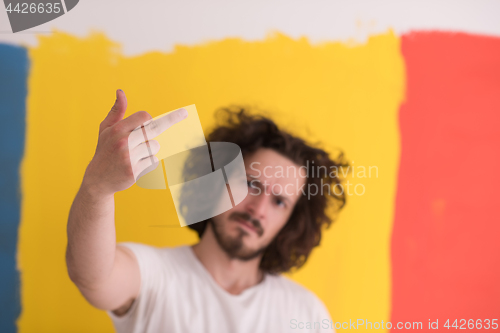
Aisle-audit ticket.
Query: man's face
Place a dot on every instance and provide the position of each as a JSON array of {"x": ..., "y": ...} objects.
[{"x": 274, "y": 183}]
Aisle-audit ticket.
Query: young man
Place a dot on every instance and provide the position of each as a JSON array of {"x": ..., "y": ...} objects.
[{"x": 228, "y": 282}]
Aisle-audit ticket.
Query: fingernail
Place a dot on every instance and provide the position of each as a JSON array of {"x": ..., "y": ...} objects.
[{"x": 184, "y": 113}]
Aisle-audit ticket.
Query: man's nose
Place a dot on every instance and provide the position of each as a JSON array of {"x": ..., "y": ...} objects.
[{"x": 258, "y": 206}]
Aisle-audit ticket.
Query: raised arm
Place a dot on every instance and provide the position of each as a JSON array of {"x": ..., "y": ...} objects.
[{"x": 106, "y": 274}]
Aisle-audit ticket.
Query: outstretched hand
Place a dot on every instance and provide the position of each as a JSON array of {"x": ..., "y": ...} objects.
[{"x": 125, "y": 148}]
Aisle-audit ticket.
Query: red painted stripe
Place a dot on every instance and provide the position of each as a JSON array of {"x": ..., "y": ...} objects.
[{"x": 445, "y": 243}]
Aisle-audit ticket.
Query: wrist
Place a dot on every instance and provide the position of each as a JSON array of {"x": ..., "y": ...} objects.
[{"x": 94, "y": 189}]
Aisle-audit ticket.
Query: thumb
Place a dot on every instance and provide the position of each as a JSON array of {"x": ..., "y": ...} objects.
[{"x": 117, "y": 111}]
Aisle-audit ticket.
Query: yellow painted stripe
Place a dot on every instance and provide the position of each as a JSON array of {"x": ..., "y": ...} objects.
[{"x": 342, "y": 95}]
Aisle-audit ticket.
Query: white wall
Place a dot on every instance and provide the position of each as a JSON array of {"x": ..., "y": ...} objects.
[{"x": 145, "y": 25}]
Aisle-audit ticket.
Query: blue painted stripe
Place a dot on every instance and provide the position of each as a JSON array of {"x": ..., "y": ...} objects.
[{"x": 14, "y": 67}]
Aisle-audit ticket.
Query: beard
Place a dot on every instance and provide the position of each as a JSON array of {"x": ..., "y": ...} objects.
[{"x": 234, "y": 245}]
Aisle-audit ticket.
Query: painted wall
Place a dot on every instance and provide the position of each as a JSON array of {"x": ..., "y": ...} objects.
[
  {"x": 14, "y": 67},
  {"x": 379, "y": 82}
]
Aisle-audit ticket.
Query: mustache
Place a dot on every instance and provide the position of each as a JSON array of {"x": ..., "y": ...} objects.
[{"x": 247, "y": 217}]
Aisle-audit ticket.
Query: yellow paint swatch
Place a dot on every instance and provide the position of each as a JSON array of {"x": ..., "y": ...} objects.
[{"x": 344, "y": 96}]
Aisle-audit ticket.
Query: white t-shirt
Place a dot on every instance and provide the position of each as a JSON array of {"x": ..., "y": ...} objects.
[{"x": 178, "y": 294}]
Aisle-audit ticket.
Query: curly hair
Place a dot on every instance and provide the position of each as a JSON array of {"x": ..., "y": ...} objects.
[{"x": 293, "y": 244}]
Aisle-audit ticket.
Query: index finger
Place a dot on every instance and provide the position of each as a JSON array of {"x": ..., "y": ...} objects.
[{"x": 154, "y": 127}]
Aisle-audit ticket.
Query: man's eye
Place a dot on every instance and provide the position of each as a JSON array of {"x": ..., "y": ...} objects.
[
  {"x": 280, "y": 202},
  {"x": 252, "y": 187}
]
